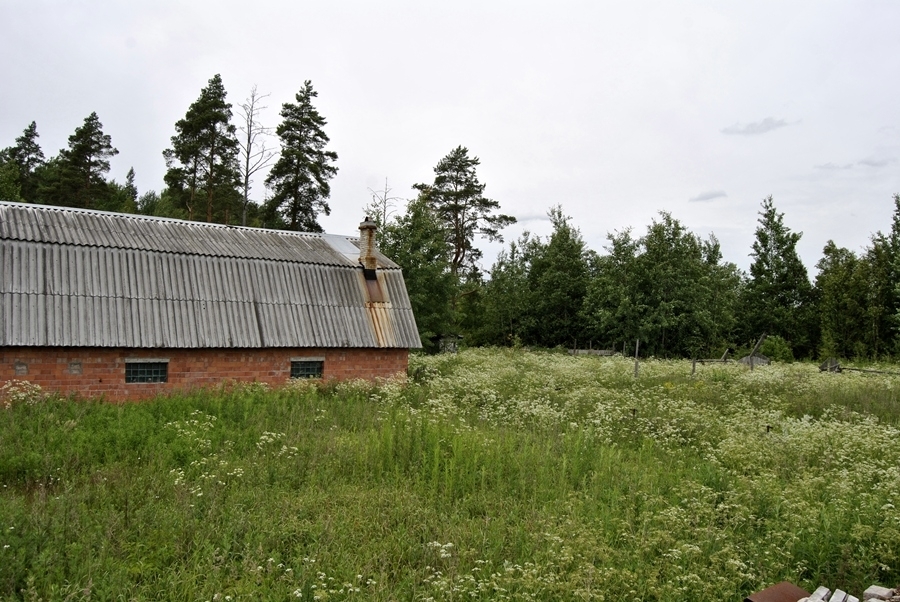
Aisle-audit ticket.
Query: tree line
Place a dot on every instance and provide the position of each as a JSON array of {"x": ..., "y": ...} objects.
[
  {"x": 210, "y": 165},
  {"x": 666, "y": 287}
]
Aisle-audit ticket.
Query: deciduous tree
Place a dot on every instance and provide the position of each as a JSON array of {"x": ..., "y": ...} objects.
[
  {"x": 841, "y": 291},
  {"x": 254, "y": 154},
  {"x": 415, "y": 240},
  {"x": 10, "y": 188},
  {"x": 558, "y": 280},
  {"x": 507, "y": 300},
  {"x": 669, "y": 289},
  {"x": 381, "y": 208}
]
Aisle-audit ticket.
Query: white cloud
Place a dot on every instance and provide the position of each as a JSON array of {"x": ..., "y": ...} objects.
[
  {"x": 708, "y": 196},
  {"x": 760, "y": 127},
  {"x": 533, "y": 217},
  {"x": 833, "y": 167},
  {"x": 876, "y": 162},
  {"x": 614, "y": 111}
]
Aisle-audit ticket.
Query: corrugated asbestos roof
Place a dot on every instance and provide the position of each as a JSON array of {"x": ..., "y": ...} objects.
[
  {"x": 71, "y": 277},
  {"x": 65, "y": 226}
]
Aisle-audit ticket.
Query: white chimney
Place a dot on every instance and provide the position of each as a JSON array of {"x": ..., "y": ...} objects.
[{"x": 367, "y": 244}]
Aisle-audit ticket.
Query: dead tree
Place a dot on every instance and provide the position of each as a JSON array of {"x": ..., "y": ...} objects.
[{"x": 254, "y": 153}]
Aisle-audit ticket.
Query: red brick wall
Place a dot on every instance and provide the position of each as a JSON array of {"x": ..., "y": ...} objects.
[{"x": 103, "y": 370}]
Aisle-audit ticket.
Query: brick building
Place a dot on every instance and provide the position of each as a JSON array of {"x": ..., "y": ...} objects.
[{"x": 127, "y": 306}]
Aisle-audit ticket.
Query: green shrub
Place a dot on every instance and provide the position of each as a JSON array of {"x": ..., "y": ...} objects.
[{"x": 777, "y": 349}]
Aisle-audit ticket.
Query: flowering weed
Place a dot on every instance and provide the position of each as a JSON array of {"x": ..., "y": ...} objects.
[{"x": 488, "y": 475}]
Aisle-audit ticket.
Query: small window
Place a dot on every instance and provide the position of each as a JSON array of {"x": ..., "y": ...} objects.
[
  {"x": 146, "y": 372},
  {"x": 307, "y": 368}
]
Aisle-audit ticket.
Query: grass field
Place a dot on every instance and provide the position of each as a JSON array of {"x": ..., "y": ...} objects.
[{"x": 493, "y": 474}]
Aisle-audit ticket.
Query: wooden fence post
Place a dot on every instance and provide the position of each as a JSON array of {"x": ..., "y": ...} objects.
[
  {"x": 755, "y": 349},
  {"x": 637, "y": 345}
]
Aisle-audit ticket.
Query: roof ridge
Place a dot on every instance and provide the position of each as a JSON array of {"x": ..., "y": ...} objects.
[
  {"x": 156, "y": 218},
  {"x": 50, "y": 224}
]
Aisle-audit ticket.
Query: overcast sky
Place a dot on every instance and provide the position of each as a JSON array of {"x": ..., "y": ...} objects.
[{"x": 615, "y": 110}]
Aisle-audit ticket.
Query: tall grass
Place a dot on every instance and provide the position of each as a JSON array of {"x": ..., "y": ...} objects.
[{"x": 495, "y": 475}]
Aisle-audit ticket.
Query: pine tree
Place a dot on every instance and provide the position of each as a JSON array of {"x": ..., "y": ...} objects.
[
  {"x": 778, "y": 297},
  {"x": 131, "y": 191},
  {"x": 77, "y": 177},
  {"x": 299, "y": 179},
  {"x": 202, "y": 163},
  {"x": 457, "y": 198},
  {"x": 22, "y": 163},
  {"x": 122, "y": 197}
]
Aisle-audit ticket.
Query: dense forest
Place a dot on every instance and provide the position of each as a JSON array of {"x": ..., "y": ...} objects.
[{"x": 666, "y": 286}]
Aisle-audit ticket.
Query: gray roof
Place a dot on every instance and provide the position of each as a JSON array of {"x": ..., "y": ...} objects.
[{"x": 71, "y": 277}]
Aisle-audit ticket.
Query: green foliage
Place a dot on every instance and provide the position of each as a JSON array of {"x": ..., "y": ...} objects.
[
  {"x": 893, "y": 276},
  {"x": 777, "y": 349},
  {"x": 856, "y": 296},
  {"x": 537, "y": 289},
  {"x": 202, "y": 164},
  {"x": 123, "y": 197},
  {"x": 415, "y": 241},
  {"x": 558, "y": 280},
  {"x": 299, "y": 180},
  {"x": 19, "y": 165},
  {"x": 778, "y": 297},
  {"x": 842, "y": 305},
  {"x": 507, "y": 310},
  {"x": 160, "y": 204},
  {"x": 77, "y": 176},
  {"x": 10, "y": 188},
  {"x": 668, "y": 288},
  {"x": 457, "y": 199},
  {"x": 498, "y": 475},
  {"x": 881, "y": 297},
  {"x": 130, "y": 189}
]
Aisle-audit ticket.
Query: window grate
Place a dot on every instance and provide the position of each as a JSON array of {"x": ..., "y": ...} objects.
[
  {"x": 146, "y": 372},
  {"x": 307, "y": 369}
]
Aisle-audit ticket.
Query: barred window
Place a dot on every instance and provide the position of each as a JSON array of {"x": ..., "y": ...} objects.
[
  {"x": 154, "y": 371},
  {"x": 307, "y": 368}
]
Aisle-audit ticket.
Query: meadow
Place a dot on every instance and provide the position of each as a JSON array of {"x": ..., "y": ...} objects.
[{"x": 488, "y": 475}]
